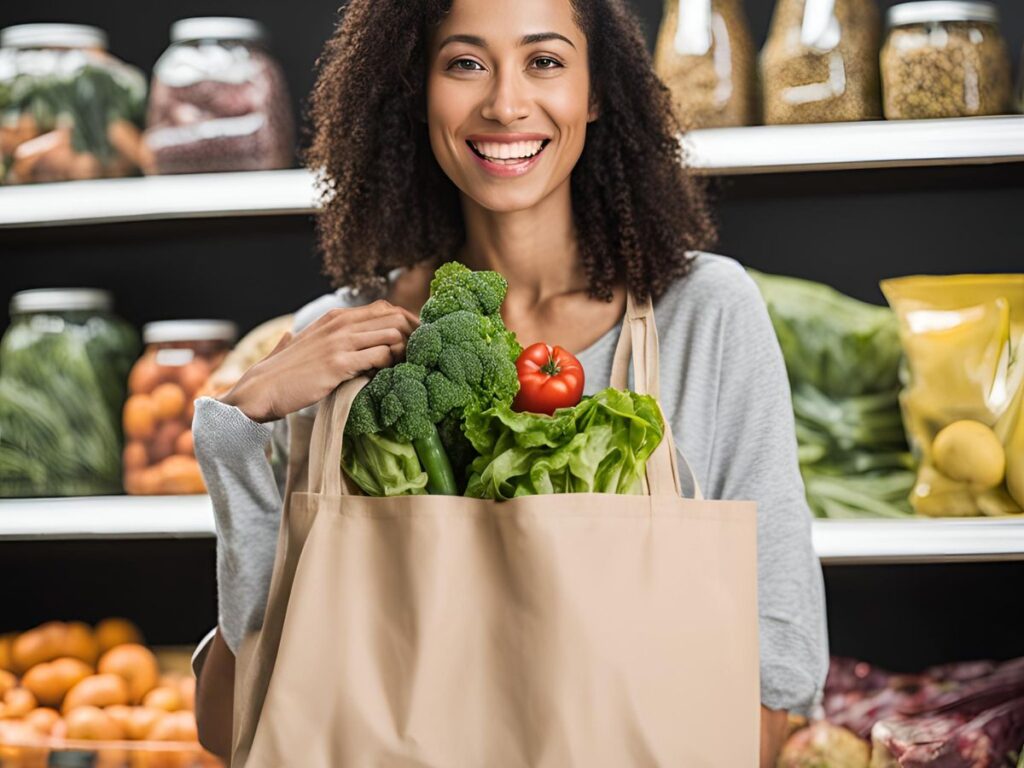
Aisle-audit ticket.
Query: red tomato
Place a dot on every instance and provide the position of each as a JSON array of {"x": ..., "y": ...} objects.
[{"x": 549, "y": 378}]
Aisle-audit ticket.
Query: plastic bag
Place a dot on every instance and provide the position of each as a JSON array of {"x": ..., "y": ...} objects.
[{"x": 963, "y": 390}]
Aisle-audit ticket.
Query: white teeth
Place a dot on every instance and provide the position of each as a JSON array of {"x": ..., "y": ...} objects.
[{"x": 499, "y": 150}]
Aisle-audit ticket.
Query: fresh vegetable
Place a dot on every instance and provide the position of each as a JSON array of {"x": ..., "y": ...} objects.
[
  {"x": 600, "y": 445},
  {"x": 843, "y": 358},
  {"x": 823, "y": 745},
  {"x": 549, "y": 378},
  {"x": 970, "y": 452},
  {"x": 460, "y": 360}
]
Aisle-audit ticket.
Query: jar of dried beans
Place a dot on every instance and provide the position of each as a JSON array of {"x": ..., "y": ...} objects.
[
  {"x": 162, "y": 387},
  {"x": 945, "y": 59},
  {"x": 218, "y": 101},
  {"x": 820, "y": 62},
  {"x": 705, "y": 55}
]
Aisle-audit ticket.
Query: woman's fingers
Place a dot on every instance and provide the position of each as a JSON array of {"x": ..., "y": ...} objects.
[
  {"x": 393, "y": 320},
  {"x": 371, "y": 358},
  {"x": 383, "y": 337}
]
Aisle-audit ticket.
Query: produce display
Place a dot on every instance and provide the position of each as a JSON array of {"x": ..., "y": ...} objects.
[
  {"x": 218, "y": 101},
  {"x": 961, "y": 715},
  {"x": 68, "y": 109},
  {"x": 64, "y": 361},
  {"x": 843, "y": 359},
  {"x": 963, "y": 403},
  {"x": 159, "y": 457},
  {"x": 70, "y": 688},
  {"x": 705, "y": 55},
  {"x": 945, "y": 60},
  {"x": 820, "y": 62},
  {"x": 443, "y": 421}
]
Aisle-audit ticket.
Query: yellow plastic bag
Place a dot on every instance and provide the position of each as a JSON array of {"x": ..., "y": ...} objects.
[{"x": 963, "y": 336}]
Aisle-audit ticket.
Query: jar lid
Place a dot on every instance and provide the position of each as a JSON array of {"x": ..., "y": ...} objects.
[
  {"x": 189, "y": 330},
  {"x": 53, "y": 36},
  {"x": 942, "y": 10},
  {"x": 61, "y": 300},
  {"x": 217, "y": 28}
]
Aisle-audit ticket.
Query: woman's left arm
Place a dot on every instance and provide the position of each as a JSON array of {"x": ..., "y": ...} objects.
[{"x": 754, "y": 456}]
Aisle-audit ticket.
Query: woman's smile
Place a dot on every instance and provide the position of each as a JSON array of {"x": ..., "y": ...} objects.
[{"x": 507, "y": 155}]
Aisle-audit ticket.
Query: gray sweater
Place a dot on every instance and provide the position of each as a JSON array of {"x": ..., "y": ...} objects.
[{"x": 725, "y": 393}]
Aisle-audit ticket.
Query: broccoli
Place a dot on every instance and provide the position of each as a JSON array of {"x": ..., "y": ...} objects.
[{"x": 462, "y": 357}]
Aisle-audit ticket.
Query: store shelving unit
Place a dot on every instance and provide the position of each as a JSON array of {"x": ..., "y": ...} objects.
[{"x": 723, "y": 151}]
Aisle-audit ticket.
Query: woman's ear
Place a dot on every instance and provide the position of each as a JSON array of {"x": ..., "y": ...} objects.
[{"x": 595, "y": 110}]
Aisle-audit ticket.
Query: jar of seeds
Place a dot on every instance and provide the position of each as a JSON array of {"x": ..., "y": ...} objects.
[
  {"x": 820, "y": 62},
  {"x": 945, "y": 59},
  {"x": 705, "y": 55}
]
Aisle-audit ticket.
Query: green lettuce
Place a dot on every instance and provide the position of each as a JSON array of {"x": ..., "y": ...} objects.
[{"x": 600, "y": 445}]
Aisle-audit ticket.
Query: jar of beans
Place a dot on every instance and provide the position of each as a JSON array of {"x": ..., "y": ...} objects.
[
  {"x": 945, "y": 59},
  {"x": 178, "y": 359},
  {"x": 705, "y": 55},
  {"x": 820, "y": 62}
]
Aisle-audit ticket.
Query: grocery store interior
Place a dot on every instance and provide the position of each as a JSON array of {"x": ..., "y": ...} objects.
[{"x": 914, "y": 174}]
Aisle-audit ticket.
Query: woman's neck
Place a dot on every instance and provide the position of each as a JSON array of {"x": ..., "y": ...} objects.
[{"x": 535, "y": 249}]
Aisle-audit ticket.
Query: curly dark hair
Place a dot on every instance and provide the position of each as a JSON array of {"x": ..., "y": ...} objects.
[{"x": 638, "y": 211}]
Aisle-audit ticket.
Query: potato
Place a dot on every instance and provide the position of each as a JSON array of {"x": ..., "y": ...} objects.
[
  {"x": 970, "y": 452},
  {"x": 49, "y": 682},
  {"x": 139, "y": 417},
  {"x": 94, "y": 724},
  {"x": 164, "y": 697},
  {"x": 44, "y": 643},
  {"x": 79, "y": 643},
  {"x": 97, "y": 691},
  {"x": 136, "y": 664},
  {"x": 7, "y": 681},
  {"x": 169, "y": 401},
  {"x": 145, "y": 376},
  {"x": 116, "y": 631},
  {"x": 135, "y": 456},
  {"x": 43, "y": 719},
  {"x": 18, "y": 702},
  {"x": 181, "y": 474},
  {"x": 6, "y": 646}
]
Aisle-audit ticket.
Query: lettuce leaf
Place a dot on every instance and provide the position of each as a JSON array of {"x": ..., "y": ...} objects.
[{"x": 600, "y": 445}]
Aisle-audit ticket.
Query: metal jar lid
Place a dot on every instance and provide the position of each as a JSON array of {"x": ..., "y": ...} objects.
[
  {"x": 61, "y": 300},
  {"x": 189, "y": 330},
  {"x": 932, "y": 11},
  {"x": 217, "y": 28},
  {"x": 53, "y": 36}
]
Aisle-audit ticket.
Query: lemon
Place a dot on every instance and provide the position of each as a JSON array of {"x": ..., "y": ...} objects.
[{"x": 970, "y": 452}]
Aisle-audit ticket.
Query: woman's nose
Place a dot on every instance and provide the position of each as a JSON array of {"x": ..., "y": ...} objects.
[{"x": 507, "y": 100}]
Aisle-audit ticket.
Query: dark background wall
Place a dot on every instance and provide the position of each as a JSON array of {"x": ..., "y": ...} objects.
[{"x": 848, "y": 229}]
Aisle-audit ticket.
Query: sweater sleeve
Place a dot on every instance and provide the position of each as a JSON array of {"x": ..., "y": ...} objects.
[
  {"x": 754, "y": 456},
  {"x": 232, "y": 451}
]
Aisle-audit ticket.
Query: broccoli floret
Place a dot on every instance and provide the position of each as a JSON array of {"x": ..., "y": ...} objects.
[{"x": 456, "y": 287}]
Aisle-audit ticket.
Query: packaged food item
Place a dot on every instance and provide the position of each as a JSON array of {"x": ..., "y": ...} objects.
[
  {"x": 63, "y": 365},
  {"x": 945, "y": 59},
  {"x": 178, "y": 359},
  {"x": 843, "y": 358},
  {"x": 219, "y": 101},
  {"x": 68, "y": 109},
  {"x": 820, "y": 62},
  {"x": 963, "y": 336},
  {"x": 705, "y": 55}
]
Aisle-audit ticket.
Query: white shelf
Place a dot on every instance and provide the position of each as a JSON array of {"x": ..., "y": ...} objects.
[
  {"x": 835, "y": 541},
  {"x": 107, "y": 517},
  {"x": 203, "y": 195},
  {"x": 846, "y": 146},
  {"x": 916, "y": 540},
  {"x": 758, "y": 149}
]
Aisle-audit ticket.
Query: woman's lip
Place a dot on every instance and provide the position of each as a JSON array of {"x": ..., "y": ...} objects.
[
  {"x": 507, "y": 137},
  {"x": 511, "y": 170}
]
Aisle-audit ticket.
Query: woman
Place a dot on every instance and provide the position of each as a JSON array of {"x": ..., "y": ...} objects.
[{"x": 530, "y": 137}]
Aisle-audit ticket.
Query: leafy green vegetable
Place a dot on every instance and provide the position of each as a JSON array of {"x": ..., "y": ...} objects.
[
  {"x": 460, "y": 360},
  {"x": 62, "y": 387},
  {"x": 384, "y": 466},
  {"x": 843, "y": 358},
  {"x": 600, "y": 445}
]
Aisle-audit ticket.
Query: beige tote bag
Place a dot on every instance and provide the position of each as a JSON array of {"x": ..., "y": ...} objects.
[{"x": 565, "y": 630}]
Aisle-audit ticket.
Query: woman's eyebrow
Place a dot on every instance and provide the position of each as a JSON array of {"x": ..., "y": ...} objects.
[{"x": 536, "y": 37}]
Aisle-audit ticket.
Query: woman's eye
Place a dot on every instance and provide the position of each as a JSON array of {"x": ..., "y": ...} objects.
[
  {"x": 466, "y": 65},
  {"x": 546, "y": 62}
]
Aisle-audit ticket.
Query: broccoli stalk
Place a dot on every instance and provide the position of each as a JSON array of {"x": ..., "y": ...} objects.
[{"x": 461, "y": 358}]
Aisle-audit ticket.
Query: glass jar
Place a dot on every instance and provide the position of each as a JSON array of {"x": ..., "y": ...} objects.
[
  {"x": 820, "y": 62},
  {"x": 219, "y": 101},
  {"x": 63, "y": 365},
  {"x": 68, "y": 109},
  {"x": 179, "y": 357},
  {"x": 945, "y": 59},
  {"x": 705, "y": 56}
]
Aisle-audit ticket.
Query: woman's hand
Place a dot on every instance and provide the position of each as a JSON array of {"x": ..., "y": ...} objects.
[{"x": 306, "y": 367}]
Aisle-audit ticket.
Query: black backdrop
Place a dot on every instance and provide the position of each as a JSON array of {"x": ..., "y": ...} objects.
[{"x": 848, "y": 229}]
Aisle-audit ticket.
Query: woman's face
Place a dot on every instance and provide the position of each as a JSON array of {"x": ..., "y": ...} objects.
[{"x": 508, "y": 99}]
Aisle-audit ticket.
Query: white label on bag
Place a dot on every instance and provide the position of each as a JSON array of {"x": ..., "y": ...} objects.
[
  {"x": 693, "y": 29},
  {"x": 820, "y": 28}
]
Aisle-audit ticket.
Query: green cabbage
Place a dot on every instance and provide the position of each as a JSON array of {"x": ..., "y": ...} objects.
[{"x": 600, "y": 445}]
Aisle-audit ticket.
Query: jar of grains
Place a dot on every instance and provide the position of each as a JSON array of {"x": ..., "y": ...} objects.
[
  {"x": 705, "y": 55},
  {"x": 820, "y": 62},
  {"x": 945, "y": 59}
]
